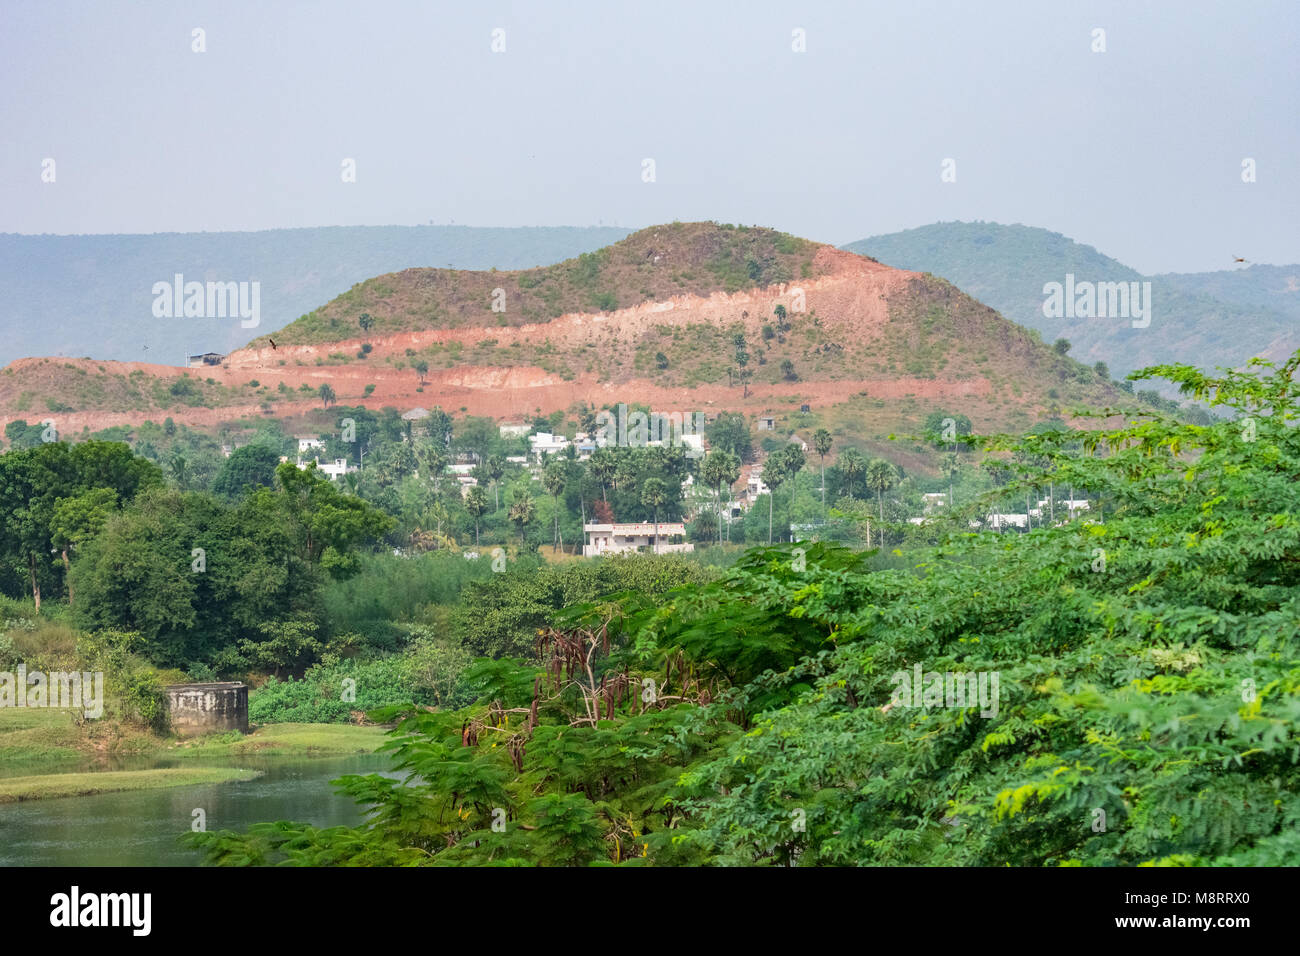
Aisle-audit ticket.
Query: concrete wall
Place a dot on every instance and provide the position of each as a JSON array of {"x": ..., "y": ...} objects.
[{"x": 204, "y": 708}]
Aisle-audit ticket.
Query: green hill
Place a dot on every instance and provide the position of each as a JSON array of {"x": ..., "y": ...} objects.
[
  {"x": 655, "y": 263},
  {"x": 1206, "y": 320}
]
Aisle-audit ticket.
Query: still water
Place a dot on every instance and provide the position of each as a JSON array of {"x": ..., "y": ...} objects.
[{"x": 143, "y": 828}]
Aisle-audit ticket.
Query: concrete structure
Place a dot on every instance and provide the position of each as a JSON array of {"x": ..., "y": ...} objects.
[
  {"x": 415, "y": 414},
  {"x": 627, "y": 538},
  {"x": 544, "y": 443},
  {"x": 998, "y": 521},
  {"x": 934, "y": 499},
  {"x": 306, "y": 444},
  {"x": 511, "y": 430},
  {"x": 206, "y": 359},
  {"x": 205, "y": 708},
  {"x": 335, "y": 469}
]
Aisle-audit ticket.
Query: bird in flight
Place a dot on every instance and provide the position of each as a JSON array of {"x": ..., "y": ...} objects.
[
  {"x": 1238, "y": 259},
  {"x": 271, "y": 340}
]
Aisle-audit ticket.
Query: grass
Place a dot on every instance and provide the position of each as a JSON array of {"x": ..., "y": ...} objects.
[
  {"x": 51, "y": 785},
  {"x": 301, "y": 740},
  {"x": 28, "y": 734},
  {"x": 47, "y": 738}
]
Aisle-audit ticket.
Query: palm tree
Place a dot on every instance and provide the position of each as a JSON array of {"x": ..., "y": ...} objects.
[
  {"x": 422, "y": 369},
  {"x": 181, "y": 472},
  {"x": 654, "y": 494},
  {"x": 719, "y": 468},
  {"x": 950, "y": 465},
  {"x": 476, "y": 504},
  {"x": 522, "y": 512},
  {"x": 853, "y": 465},
  {"x": 365, "y": 321},
  {"x": 782, "y": 465},
  {"x": 326, "y": 395},
  {"x": 554, "y": 478},
  {"x": 881, "y": 476},
  {"x": 603, "y": 467},
  {"x": 494, "y": 466},
  {"x": 822, "y": 442}
]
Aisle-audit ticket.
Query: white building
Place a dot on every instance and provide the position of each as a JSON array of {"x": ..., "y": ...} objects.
[
  {"x": 306, "y": 444},
  {"x": 1000, "y": 521},
  {"x": 627, "y": 538},
  {"x": 544, "y": 443},
  {"x": 335, "y": 469},
  {"x": 934, "y": 499},
  {"x": 512, "y": 430}
]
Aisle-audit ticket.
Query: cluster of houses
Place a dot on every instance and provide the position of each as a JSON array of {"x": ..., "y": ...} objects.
[{"x": 666, "y": 537}]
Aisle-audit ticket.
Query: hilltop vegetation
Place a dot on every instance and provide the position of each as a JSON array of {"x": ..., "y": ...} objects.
[{"x": 655, "y": 263}]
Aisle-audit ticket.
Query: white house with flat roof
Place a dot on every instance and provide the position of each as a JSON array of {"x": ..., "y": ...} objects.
[
  {"x": 544, "y": 443},
  {"x": 635, "y": 536}
]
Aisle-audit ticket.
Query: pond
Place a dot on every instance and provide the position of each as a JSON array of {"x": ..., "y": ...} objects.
[{"x": 142, "y": 828}]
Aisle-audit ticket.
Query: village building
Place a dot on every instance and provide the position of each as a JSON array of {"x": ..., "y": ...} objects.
[{"x": 635, "y": 536}]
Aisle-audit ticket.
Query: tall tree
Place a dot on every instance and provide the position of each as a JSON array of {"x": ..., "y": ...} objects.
[
  {"x": 950, "y": 465},
  {"x": 603, "y": 465},
  {"x": 781, "y": 466},
  {"x": 853, "y": 466},
  {"x": 476, "y": 504},
  {"x": 881, "y": 476},
  {"x": 822, "y": 443},
  {"x": 654, "y": 495},
  {"x": 554, "y": 478},
  {"x": 522, "y": 512},
  {"x": 495, "y": 466}
]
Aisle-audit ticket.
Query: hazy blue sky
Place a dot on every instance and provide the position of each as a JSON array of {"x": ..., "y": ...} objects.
[{"x": 1136, "y": 150}]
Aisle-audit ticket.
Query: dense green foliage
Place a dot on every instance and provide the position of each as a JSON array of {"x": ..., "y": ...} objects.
[{"x": 1146, "y": 713}]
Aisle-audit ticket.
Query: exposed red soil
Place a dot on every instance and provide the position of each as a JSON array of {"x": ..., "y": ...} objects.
[{"x": 852, "y": 302}]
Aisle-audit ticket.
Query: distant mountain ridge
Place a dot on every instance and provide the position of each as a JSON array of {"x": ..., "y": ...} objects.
[
  {"x": 682, "y": 317},
  {"x": 1204, "y": 319},
  {"x": 91, "y": 295}
]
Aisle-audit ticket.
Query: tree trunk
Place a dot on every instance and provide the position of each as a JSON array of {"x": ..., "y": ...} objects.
[
  {"x": 67, "y": 580},
  {"x": 770, "y": 496},
  {"x": 36, "y": 588},
  {"x": 719, "y": 514}
]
